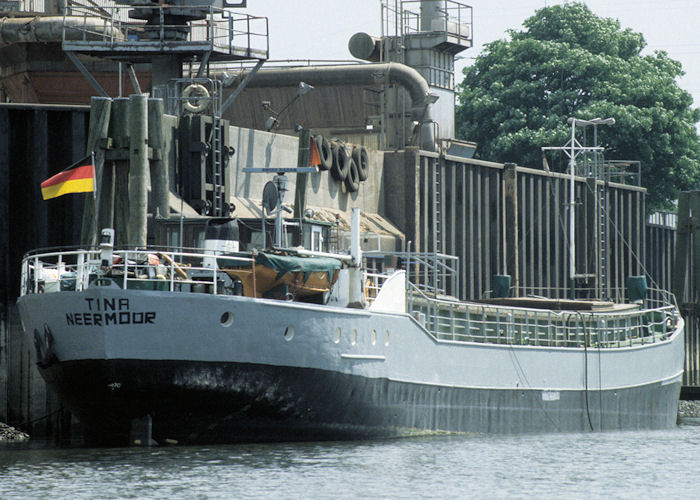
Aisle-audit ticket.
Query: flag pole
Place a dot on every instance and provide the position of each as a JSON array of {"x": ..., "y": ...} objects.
[
  {"x": 94, "y": 194},
  {"x": 94, "y": 178}
]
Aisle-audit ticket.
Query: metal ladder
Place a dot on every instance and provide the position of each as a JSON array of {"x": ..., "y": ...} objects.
[
  {"x": 603, "y": 240},
  {"x": 334, "y": 240},
  {"x": 217, "y": 163},
  {"x": 218, "y": 180},
  {"x": 438, "y": 205}
]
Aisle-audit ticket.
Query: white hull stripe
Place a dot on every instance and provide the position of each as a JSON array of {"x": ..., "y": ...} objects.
[
  {"x": 665, "y": 381},
  {"x": 364, "y": 356}
]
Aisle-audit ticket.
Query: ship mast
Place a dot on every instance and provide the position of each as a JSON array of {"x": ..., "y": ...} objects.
[{"x": 574, "y": 149}]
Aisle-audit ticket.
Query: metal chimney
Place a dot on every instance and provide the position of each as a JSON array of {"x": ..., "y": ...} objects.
[{"x": 430, "y": 15}]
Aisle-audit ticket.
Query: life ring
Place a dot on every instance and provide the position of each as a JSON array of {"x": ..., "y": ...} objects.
[
  {"x": 324, "y": 151},
  {"x": 339, "y": 170},
  {"x": 361, "y": 157},
  {"x": 352, "y": 181},
  {"x": 196, "y": 98}
]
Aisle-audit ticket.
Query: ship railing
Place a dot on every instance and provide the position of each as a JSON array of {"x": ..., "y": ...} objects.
[
  {"x": 453, "y": 320},
  {"x": 141, "y": 269},
  {"x": 109, "y": 27},
  {"x": 613, "y": 294},
  {"x": 450, "y": 17},
  {"x": 373, "y": 284},
  {"x": 654, "y": 297},
  {"x": 436, "y": 274}
]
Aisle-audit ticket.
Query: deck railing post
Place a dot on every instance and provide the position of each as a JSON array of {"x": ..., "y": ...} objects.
[
  {"x": 483, "y": 323},
  {"x": 172, "y": 273},
  {"x": 126, "y": 268},
  {"x": 80, "y": 271},
  {"x": 37, "y": 270}
]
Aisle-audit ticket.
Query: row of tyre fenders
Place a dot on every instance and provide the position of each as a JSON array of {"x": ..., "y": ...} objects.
[{"x": 347, "y": 166}]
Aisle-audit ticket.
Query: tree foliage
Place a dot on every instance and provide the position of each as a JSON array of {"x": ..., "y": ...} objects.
[{"x": 568, "y": 62}]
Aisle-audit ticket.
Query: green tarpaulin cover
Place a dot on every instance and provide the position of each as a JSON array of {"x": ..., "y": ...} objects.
[{"x": 287, "y": 263}]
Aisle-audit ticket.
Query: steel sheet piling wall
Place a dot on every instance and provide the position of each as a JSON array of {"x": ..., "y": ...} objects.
[
  {"x": 686, "y": 285},
  {"x": 660, "y": 244},
  {"x": 4, "y": 257},
  {"x": 35, "y": 143},
  {"x": 459, "y": 208}
]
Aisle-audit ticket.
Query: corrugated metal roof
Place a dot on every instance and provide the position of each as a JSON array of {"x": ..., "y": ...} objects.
[{"x": 369, "y": 222}]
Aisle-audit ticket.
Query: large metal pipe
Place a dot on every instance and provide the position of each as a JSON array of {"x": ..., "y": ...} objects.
[
  {"x": 50, "y": 29},
  {"x": 365, "y": 47},
  {"x": 359, "y": 74},
  {"x": 355, "y": 295}
]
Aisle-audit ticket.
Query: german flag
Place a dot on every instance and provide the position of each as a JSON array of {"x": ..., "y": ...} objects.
[{"x": 78, "y": 178}]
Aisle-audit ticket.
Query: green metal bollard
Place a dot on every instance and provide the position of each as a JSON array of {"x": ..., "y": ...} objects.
[
  {"x": 636, "y": 288},
  {"x": 501, "y": 285}
]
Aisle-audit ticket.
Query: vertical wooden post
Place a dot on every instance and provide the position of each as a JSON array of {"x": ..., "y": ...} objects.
[
  {"x": 100, "y": 108},
  {"x": 695, "y": 233},
  {"x": 119, "y": 131},
  {"x": 302, "y": 161},
  {"x": 680, "y": 266},
  {"x": 138, "y": 169},
  {"x": 510, "y": 191},
  {"x": 160, "y": 187}
]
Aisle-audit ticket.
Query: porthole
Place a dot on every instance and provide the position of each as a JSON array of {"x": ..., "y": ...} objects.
[
  {"x": 374, "y": 337},
  {"x": 353, "y": 339},
  {"x": 289, "y": 333},
  {"x": 336, "y": 335},
  {"x": 227, "y": 319},
  {"x": 386, "y": 338}
]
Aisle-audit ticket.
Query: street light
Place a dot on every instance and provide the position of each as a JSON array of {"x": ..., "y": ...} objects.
[
  {"x": 594, "y": 122},
  {"x": 273, "y": 121}
]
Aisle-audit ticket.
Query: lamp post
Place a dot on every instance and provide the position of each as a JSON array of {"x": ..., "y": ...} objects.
[{"x": 273, "y": 121}]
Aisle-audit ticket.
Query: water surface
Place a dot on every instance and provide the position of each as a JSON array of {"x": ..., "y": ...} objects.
[{"x": 595, "y": 465}]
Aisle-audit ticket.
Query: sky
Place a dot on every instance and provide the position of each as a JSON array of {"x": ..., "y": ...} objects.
[{"x": 320, "y": 29}]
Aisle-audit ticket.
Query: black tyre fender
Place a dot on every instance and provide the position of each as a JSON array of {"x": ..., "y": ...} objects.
[
  {"x": 339, "y": 170},
  {"x": 324, "y": 151},
  {"x": 352, "y": 181},
  {"x": 361, "y": 158}
]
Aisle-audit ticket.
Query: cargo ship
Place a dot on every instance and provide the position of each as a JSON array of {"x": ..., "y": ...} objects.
[{"x": 216, "y": 328}]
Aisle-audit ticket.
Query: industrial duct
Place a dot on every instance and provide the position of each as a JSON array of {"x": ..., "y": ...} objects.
[
  {"x": 360, "y": 74},
  {"x": 50, "y": 29}
]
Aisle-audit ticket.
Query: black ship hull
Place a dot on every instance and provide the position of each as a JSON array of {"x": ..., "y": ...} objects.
[{"x": 198, "y": 402}]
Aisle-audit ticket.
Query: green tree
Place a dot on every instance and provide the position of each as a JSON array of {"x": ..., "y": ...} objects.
[{"x": 569, "y": 62}]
